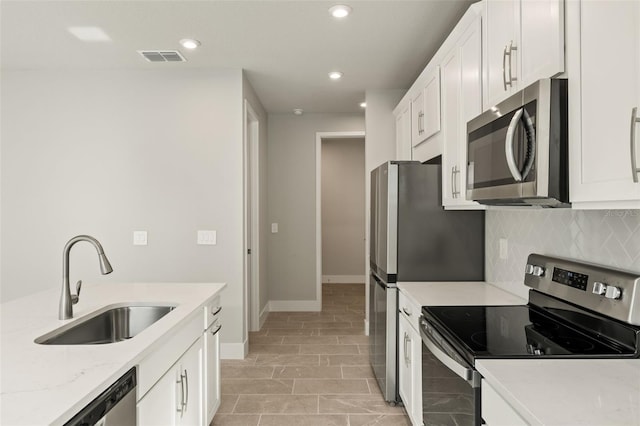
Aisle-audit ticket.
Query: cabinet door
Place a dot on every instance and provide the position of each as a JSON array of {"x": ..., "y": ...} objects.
[
  {"x": 451, "y": 104},
  {"x": 403, "y": 134},
  {"x": 212, "y": 371},
  {"x": 461, "y": 101},
  {"x": 417, "y": 119},
  {"x": 502, "y": 35},
  {"x": 541, "y": 39},
  {"x": 158, "y": 407},
  {"x": 609, "y": 91},
  {"x": 405, "y": 378},
  {"x": 190, "y": 373},
  {"x": 432, "y": 104}
]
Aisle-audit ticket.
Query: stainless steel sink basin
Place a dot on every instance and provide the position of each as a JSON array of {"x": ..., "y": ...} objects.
[{"x": 110, "y": 325}]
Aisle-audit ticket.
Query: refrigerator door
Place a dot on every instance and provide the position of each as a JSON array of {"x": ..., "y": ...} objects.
[
  {"x": 384, "y": 221},
  {"x": 383, "y": 309}
]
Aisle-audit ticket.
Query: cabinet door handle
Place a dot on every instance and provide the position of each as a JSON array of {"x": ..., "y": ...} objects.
[
  {"x": 504, "y": 68},
  {"x": 634, "y": 122},
  {"x": 453, "y": 184},
  {"x": 214, "y": 332},
  {"x": 407, "y": 351},
  {"x": 180, "y": 408},
  {"x": 217, "y": 311},
  {"x": 510, "y": 54},
  {"x": 186, "y": 398},
  {"x": 404, "y": 347}
]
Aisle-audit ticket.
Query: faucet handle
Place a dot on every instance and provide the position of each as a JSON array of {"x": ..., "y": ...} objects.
[{"x": 76, "y": 297}]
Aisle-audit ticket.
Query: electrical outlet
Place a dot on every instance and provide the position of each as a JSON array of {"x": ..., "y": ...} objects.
[
  {"x": 139, "y": 238},
  {"x": 274, "y": 228},
  {"x": 504, "y": 248},
  {"x": 207, "y": 238}
]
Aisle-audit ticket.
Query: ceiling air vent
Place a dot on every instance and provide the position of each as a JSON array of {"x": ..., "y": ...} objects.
[{"x": 162, "y": 55}]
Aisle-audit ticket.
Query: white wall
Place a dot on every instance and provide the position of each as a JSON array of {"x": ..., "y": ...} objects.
[
  {"x": 380, "y": 147},
  {"x": 606, "y": 237},
  {"x": 343, "y": 210},
  {"x": 291, "y": 177},
  {"x": 105, "y": 153}
]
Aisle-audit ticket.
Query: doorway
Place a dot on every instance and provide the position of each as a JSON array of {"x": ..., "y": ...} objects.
[
  {"x": 252, "y": 220},
  {"x": 340, "y": 208}
]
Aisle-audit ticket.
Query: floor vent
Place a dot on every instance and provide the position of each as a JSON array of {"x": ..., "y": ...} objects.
[{"x": 162, "y": 55}]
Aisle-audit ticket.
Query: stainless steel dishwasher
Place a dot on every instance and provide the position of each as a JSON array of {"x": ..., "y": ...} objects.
[{"x": 116, "y": 406}]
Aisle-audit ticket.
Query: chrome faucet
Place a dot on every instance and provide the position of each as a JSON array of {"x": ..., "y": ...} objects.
[{"x": 67, "y": 301}]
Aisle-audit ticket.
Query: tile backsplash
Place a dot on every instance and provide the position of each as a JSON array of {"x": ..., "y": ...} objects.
[{"x": 606, "y": 237}]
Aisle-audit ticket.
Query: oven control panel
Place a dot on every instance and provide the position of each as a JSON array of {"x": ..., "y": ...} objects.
[{"x": 611, "y": 292}]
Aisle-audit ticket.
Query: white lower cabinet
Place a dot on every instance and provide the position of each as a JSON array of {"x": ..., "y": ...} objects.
[
  {"x": 495, "y": 410},
  {"x": 410, "y": 360},
  {"x": 176, "y": 399}
]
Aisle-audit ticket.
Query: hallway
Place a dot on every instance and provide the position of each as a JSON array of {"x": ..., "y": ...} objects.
[{"x": 308, "y": 368}]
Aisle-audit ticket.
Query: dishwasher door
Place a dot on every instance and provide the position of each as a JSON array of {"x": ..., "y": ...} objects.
[{"x": 116, "y": 406}]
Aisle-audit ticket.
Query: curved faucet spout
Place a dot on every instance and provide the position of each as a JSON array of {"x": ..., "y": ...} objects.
[{"x": 65, "y": 310}]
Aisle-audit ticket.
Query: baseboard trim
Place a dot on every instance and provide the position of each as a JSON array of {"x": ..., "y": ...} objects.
[
  {"x": 234, "y": 350},
  {"x": 343, "y": 279},
  {"x": 294, "y": 306}
]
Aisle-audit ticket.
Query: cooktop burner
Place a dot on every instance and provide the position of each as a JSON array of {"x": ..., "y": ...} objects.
[{"x": 517, "y": 331}]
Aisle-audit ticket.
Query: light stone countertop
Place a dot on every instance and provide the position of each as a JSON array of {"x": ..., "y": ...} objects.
[
  {"x": 48, "y": 384},
  {"x": 568, "y": 392},
  {"x": 458, "y": 293}
]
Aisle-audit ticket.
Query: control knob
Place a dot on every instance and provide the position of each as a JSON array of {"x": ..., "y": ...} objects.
[
  {"x": 528, "y": 269},
  {"x": 599, "y": 288},
  {"x": 612, "y": 292},
  {"x": 538, "y": 271}
]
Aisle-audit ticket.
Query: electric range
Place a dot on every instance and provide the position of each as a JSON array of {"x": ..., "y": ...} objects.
[{"x": 575, "y": 310}]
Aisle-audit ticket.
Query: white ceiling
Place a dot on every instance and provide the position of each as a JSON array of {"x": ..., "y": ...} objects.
[{"x": 286, "y": 47}]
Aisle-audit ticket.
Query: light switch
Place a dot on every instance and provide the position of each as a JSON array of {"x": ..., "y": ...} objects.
[
  {"x": 274, "y": 228},
  {"x": 504, "y": 247},
  {"x": 139, "y": 238},
  {"x": 207, "y": 238}
]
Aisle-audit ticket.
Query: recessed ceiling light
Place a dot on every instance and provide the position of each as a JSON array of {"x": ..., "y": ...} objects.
[
  {"x": 363, "y": 104},
  {"x": 189, "y": 43},
  {"x": 298, "y": 111},
  {"x": 340, "y": 11},
  {"x": 89, "y": 33},
  {"x": 335, "y": 75}
]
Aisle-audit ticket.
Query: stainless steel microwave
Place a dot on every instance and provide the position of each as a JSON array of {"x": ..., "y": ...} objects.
[{"x": 517, "y": 151}]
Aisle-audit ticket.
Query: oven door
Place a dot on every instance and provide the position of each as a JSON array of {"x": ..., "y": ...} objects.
[
  {"x": 450, "y": 386},
  {"x": 503, "y": 148}
]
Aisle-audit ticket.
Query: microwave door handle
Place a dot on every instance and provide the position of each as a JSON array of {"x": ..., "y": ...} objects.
[
  {"x": 530, "y": 134},
  {"x": 508, "y": 146}
]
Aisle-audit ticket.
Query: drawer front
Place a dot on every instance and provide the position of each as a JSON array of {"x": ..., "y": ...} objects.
[
  {"x": 212, "y": 312},
  {"x": 409, "y": 309}
]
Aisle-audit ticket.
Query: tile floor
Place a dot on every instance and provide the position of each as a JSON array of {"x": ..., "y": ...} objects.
[{"x": 308, "y": 368}]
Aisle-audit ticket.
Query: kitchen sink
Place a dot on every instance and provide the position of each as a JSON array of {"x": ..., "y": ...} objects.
[{"x": 114, "y": 323}]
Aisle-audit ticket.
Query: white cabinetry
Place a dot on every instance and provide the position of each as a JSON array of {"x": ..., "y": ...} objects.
[
  {"x": 604, "y": 89},
  {"x": 179, "y": 382},
  {"x": 176, "y": 399},
  {"x": 461, "y": 101},
  {"x": 212, "y": 360},
  {"x": 425, "y": 109},
  {"x": 403, "y": 133},
  {"x": 495, "y": 410},
  {"x": 410, "y": 358},
  {"x": 524, "y": 42}
]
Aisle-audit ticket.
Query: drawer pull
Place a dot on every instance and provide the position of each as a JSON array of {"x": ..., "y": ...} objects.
[
  {"x": 406, "y": 312},
  {"x": 217, "y": 311}
]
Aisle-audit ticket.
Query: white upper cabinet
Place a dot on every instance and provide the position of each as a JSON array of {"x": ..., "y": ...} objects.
[
  {"x": 403, "y": 133},
  {"x": 425, "y": 109},
  {"x": 523, "y": 42},
  {"x": 604, "y": 91},
  {"x": 461, "y": 101}
]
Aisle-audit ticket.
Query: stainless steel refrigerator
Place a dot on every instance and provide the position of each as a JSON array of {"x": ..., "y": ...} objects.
[{"x": 413, "y": 238}]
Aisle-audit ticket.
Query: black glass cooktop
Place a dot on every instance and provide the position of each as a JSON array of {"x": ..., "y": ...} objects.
[{"x": 516, "y": 331}]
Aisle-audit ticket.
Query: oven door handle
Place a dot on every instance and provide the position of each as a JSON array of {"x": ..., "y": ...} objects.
[{"x": 468, "y": 374}]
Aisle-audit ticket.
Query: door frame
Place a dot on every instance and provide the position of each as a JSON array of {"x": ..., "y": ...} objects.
[
  {"x": 319, "y": 137},
  {"x": 251, "y": 214}
]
